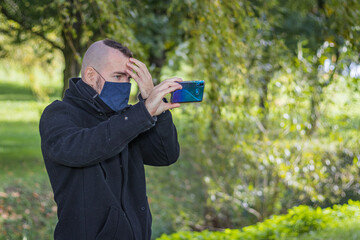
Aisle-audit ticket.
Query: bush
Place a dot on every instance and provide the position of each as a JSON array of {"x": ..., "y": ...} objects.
[
  {"x": 299, "y": 222},
  {"x": 348, "y": 231}
]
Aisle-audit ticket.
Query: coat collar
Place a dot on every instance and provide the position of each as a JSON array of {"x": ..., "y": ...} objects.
[{"x": 86, "y": 97}]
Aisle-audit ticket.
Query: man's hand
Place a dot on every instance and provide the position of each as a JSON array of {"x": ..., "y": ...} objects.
[
  {"x": 155, "y": 104},
  {"x": 141, "y": 75}
]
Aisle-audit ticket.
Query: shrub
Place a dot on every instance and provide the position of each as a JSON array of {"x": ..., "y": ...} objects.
[{"x": 299, "y": 221}]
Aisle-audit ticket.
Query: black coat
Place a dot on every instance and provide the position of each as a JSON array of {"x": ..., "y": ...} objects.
[{"x": 95, "y": 161}]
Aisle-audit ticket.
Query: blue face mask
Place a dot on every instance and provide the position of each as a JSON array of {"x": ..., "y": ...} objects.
[{"x": 116, "y": 95}]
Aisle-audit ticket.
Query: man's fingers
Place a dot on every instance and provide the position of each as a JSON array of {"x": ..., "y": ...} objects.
[
  {"x": 133, "y": 67},
  {"x": 133, "y": 75},
  {"x": 170, "y": 80},
  {"x": 170, "y": 84},
  {"x": 166, "y": 88},
  {"x": 138, "y": 73},
  {"x": 159, "y": 95},
  {"x": 137, "y": 62},
  {"x": 140, "y": 67},
  {"x": 171, "y": 106},
  {"x": 169, "y": 90},
  {"x": 174, "y": 79}
]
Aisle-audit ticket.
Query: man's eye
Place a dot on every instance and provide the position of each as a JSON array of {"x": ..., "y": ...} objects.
[{"x": 121, "y": 77}]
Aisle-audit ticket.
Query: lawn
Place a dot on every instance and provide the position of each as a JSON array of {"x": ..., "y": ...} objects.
[
  {"x": 20, "y": 154},
  {"x": 27, "y": 210}
]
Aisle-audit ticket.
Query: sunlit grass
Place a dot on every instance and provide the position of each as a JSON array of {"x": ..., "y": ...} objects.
[
  {"x": 20, "y": 111},
  {"x": 27, "y": 207}
]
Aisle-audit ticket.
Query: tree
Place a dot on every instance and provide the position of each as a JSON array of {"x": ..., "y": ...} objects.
[
  {"x": 70, "y": 26},
  {"x": 65, "y": 26},
  {"x": 313, "y": 32},
  {"x": 156, "y": 28},
  {"x": 238, "y": 174}
]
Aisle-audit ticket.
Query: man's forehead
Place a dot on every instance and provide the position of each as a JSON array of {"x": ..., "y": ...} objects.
[
  {"x": 116, "y": 62},
  {"x": 114, "y": 54}
]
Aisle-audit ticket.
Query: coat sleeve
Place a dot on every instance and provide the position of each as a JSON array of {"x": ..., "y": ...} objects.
[
  {"x": 65, "y": 143},
  {"x": 159, "y": 146}
]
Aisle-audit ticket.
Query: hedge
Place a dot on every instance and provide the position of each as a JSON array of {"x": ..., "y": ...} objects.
[{"x": 299, "y": 221}]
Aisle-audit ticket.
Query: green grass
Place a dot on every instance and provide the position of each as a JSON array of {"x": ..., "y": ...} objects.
[
  {"x": 12, "y": 91},
  {"x": 20, "y": 153},
  {"x": 27, "y": 209}
]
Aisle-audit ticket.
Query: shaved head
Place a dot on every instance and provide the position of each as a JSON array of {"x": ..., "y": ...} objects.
[
  {"x": 98, "y": 57},
  {"x": 95, "y": 56},
  {"x": 98, "y": 52}
]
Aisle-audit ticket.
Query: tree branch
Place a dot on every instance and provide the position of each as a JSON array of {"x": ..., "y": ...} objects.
[
  {"x": 71, "y": 44},
  {"x": 24, "y": 26},
  {"x": 243, "y": 205},
  {"x": 331, "y": 78}
]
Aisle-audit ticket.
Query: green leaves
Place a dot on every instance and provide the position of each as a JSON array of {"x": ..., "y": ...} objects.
[{"x": 298, "y": 222}]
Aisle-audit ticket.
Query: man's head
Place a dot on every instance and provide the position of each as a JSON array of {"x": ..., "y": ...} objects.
[{"x": 105, "y": 60}]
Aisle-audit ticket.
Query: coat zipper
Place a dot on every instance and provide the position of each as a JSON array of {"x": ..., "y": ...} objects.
[
  {"x": 122, "y": 187},
  {"x": 103, "y": 170},
  {"x": 121, "y": 200}
]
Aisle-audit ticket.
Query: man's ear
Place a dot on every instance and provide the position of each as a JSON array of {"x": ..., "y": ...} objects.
[{"x": 89, "y": 76}]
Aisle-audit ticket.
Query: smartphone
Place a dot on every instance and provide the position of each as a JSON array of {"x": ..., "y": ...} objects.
[{"x": 192, "y": 91}]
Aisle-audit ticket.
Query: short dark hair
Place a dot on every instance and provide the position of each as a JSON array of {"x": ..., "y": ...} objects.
[{"x": 118, "y": 46}]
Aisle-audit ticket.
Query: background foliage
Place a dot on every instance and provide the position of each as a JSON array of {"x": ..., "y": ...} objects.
[
  {"x": 278, "y": 126},
  {"x": 302, "y": 222}
]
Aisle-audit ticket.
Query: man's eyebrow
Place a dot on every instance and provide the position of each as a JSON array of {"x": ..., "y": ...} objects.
[{"x": 119, "y": 73}]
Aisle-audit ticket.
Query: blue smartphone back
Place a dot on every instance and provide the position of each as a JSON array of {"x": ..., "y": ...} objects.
[{"x": 192, "y": 91}]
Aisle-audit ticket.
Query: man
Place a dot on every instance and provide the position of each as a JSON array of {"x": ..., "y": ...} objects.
[{"x": 95, "y": 146}]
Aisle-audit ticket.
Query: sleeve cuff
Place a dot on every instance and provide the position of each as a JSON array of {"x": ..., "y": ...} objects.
[
  {"x": 141, "y": 98},
  {"x": 153, "y": 119}
]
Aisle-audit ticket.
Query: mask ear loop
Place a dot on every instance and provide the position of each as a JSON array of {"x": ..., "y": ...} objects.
[{"x": 99, "y": 74}]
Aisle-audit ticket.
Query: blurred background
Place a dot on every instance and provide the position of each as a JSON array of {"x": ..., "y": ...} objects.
[{"x": 273, "y": 146}]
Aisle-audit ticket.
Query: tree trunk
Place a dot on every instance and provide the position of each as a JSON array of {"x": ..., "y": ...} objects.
[
  {"x": 158, "y": 62},
  {"x": 72, "y": 67},
  {"x": 264, "y": 82},
  {"x": 314, "y": 112},
  {"x": 264, "y": 105},
  {"x": 73, "y": 50}
]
